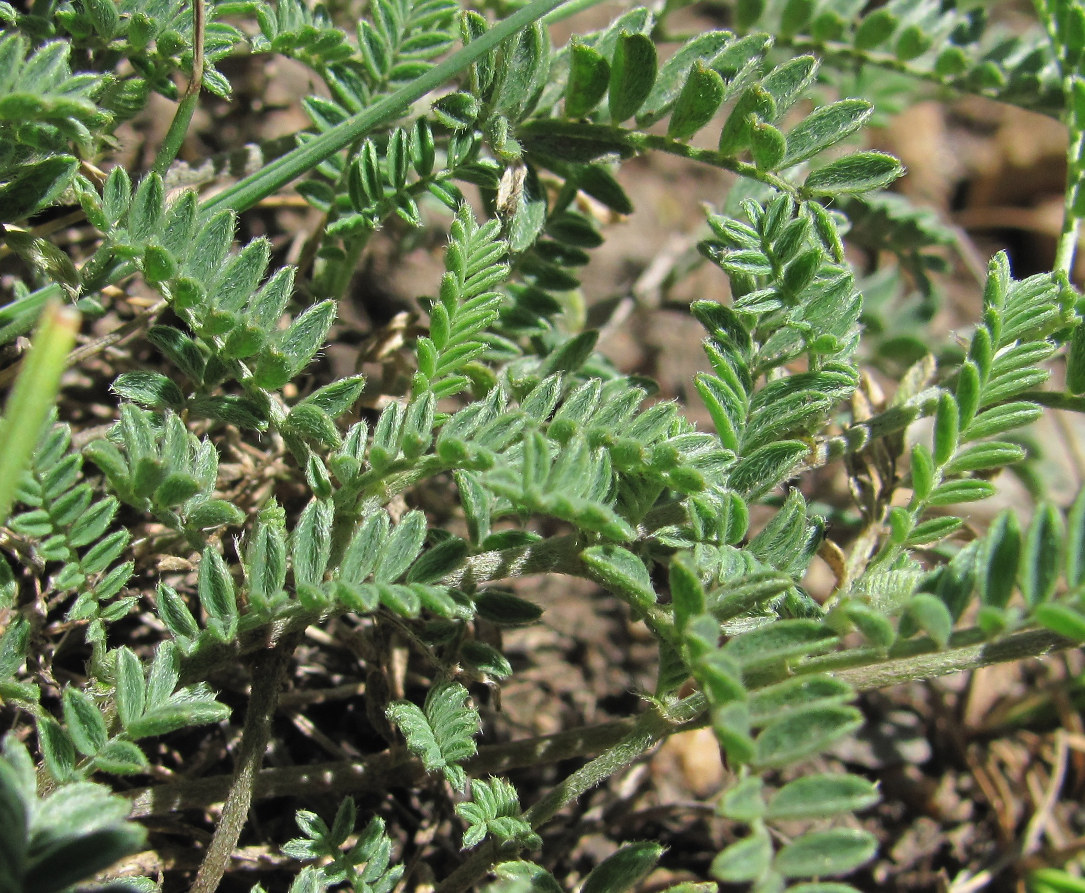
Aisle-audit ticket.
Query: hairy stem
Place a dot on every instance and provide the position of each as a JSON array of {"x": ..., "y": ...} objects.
[
  {"x": 845, "y": 55},
  {"x": 649, "y": 730},
  {"x": 1029, "y": 643},
  {"x": 1071, "y": 222},
  {"x": 378, "y": 772},
  {"x": 175, "y": 136},
  {"x": 709, "y": 157},
  {"x": 632, "y": 141},
  {"x": 268, "y": 671},
  {"x": 857, "y": 437},
  {"x": 619, "y": 742}
]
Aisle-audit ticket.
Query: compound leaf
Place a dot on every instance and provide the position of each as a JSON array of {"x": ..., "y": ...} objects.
[{"x": 442, "y": 733}]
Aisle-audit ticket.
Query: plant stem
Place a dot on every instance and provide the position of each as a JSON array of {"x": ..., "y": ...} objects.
[
  {"x": 845, "y": 55},
  {"x": 268, "y": 671},
  {"x": 888, "y": 61},
  {"x": 856, "y": 437},
  {"x": 1017, "y": 646},
  {"x": 631, "y": 141},
  {"x": 175, "y": 136},
  {"x": 1071, "y": 80},
  {"x": 1071, "y": 222},
  {"x": 378, "y": 772},
  {"x": 648, "y": 730},
  {"x": 712, "y": 158},
  {"x": 1055, "y": 400}
]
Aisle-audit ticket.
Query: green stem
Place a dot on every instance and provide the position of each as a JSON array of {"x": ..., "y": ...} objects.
[
  {"x": 33, "y": 397},
  {"x": 334, "y": 282},
  {"x": 711, "y": 158},
  {"x": 175, "y": 136},
  {"x": 1055, "y": 400},
  {"x": 1071, "y": 222},
  {"x": 1029, "y": 643},
  {"x": 628, "y": 142},
  {"x": 568, "y": 10}
]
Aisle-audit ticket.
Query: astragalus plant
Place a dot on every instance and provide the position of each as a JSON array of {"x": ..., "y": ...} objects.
[{"x": 238, "y": 493}]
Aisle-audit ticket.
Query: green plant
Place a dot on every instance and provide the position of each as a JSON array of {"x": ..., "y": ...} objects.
[{"x": 144, "y": 563}]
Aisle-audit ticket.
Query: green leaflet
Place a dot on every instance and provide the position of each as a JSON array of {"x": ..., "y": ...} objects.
[
  {"x": 698, "y": 102},
  {"x": 622, "y": 572},
  {"x": 860, "y": 172},
  {"x": 311, "y": 546},
  {"x": 588, "y": 79},
  {"x": 677, "y": 74},
  {"x": 929, "y": 614},
  {"x": 824, "y": 127},
  {"x": 623, "y": 870},
  {"x": 36, "y": 185},
  {"x": 84, "y": 722},
  {"x": 518, "y": 874},
  {"x": 803, "y": 733},
  {"x": 815, "y": 796},
  {"x": 766, "y": 467},
  {"x": 131, "y": 694},
  {"x": 825, "y": 853},
  {"x": 1062, "y": 619},
  {"x": 1041, "y": 555},
  {"x": 745, "y": 860},
  {"x": 632, "y": 74},
  {"x": 778, "y": 641},
  {"x": 796, "y": 694}
]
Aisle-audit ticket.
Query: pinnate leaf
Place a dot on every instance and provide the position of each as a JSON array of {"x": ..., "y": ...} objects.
[{"x": 442, "y": 733}]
